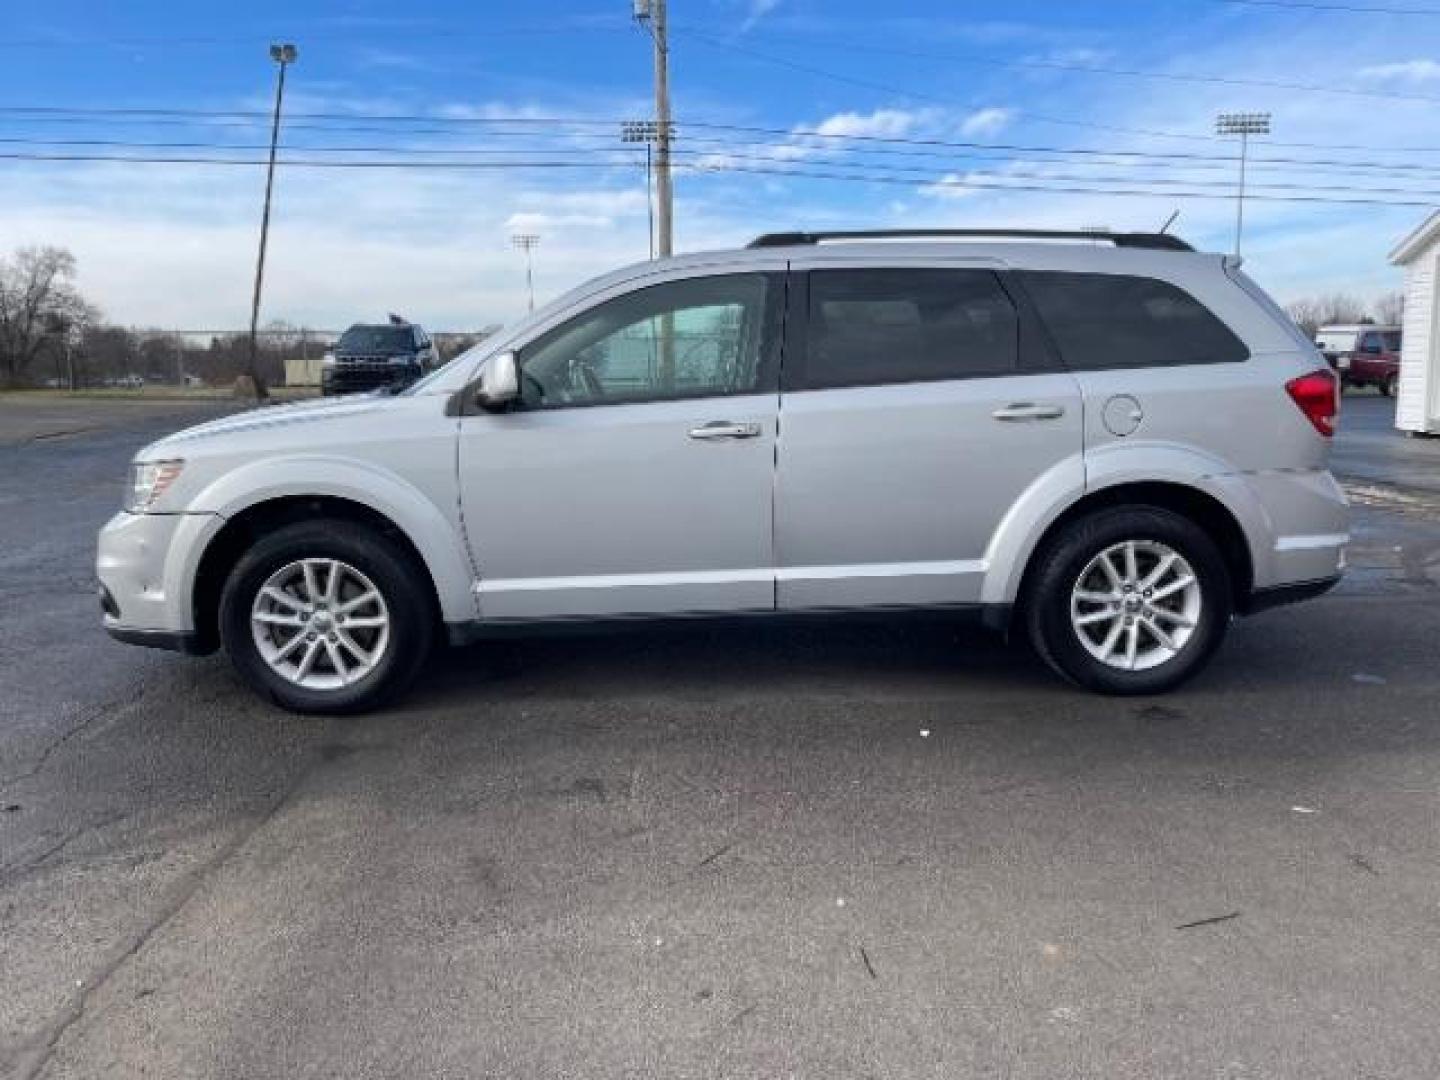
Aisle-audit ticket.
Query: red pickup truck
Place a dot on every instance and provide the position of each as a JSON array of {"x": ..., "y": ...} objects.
[{"x": 1363, "y": 355}]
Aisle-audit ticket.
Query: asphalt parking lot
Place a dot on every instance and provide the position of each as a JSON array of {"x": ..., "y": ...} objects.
[{"x": 882, "y": 851}]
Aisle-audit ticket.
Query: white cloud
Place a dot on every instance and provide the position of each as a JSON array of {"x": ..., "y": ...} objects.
[
  {"x": 757, "y": 10},
  {"x": 985, "y": 122},
  {"x": 1412, "y": 71},
  {"x": 886, "y": 123},
  {"x": 950, "y": 186}
]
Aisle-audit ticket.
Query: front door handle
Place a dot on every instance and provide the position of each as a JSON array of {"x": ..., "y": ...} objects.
[
  {"x": 1022, "y": 411},
  {"x": 725, "y": 429}
]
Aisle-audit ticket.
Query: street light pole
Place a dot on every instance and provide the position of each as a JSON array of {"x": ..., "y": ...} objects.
[
  {"x": 1244, "y": 125},
  {"x": 527, "y": 242},
  {"x": 283, "y": 55}
]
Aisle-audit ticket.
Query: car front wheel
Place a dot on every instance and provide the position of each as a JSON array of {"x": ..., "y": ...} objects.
[
  {"x": 1131, "y": 600},
  {"x": 326, "y": 616}
]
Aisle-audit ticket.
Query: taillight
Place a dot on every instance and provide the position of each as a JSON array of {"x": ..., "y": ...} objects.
[{"x": 1318, "y": 396}]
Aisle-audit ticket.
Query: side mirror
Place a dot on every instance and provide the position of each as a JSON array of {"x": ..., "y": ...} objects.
[{"x": 499, "y": 382}]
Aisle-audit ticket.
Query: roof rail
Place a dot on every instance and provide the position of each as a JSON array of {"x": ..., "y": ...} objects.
[{"x": 1154, "y": 241}]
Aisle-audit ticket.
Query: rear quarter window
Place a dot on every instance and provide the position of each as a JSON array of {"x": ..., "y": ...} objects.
[{"x": 1103, "y": 321}]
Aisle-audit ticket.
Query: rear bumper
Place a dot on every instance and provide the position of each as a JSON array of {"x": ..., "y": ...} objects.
[
  {"x": 1279, "y": 595},
  {"x": 1297, "y": 522}
]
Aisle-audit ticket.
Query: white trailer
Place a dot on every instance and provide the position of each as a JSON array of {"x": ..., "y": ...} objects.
[{"x": 1417, "y": 406}]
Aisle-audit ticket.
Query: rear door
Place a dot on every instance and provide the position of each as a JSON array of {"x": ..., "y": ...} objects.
[{"x": 918, "y": 406}]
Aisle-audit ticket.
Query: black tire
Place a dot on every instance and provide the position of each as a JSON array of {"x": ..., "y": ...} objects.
[
  {"x": 1046, "y": 605},
  {"x": 384, "y": 562},
  {"x": 1387, "y": 386}
]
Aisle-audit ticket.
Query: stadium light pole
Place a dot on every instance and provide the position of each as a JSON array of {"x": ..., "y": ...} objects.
[
  {"x": 284, "y": 55},
  {"x": 1244, "y": 125},
  {"x": 644, "y": 131},
  {"x": 527, "y": 242}
]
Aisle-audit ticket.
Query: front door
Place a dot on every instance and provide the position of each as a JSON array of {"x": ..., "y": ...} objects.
[
  {"x": 635, "y": 475},
  {"x": 917, "y": 410}
]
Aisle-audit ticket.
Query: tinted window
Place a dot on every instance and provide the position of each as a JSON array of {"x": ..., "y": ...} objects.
[
  {"x": 893, "y": 326},
  {"x": 1391, "y": 339},
  {"x": 699, "y": 337},
  {"x": 1116, "y": 321}
]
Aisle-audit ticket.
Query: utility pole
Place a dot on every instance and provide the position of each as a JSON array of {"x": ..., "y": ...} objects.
[
  {"x": 651, "y": 14},
  {"x": 527, "y": 242},
  {"x": 1244, "y": 125},
  {"x": 284, "y": 55}
]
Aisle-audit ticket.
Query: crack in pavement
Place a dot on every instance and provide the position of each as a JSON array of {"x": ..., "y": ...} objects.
[
  {"x": 36, "y": 1053},
  {"x": 88, "y": 717}
]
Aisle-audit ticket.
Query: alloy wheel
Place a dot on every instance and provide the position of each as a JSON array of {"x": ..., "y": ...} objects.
[
  {"x": 1136, "y": 604},
  {"x": 320, "y": 624}
]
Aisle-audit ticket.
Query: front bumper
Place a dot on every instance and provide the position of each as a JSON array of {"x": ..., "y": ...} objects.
[
  {"x": 159, "y": 639},
  {"x": 146, "y": 565}
]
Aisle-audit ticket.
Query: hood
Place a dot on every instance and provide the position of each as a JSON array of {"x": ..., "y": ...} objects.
[{"x": 269, "y": 418}]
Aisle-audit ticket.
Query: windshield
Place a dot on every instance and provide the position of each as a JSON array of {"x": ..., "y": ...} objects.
[{"x": 376, "y": 339}]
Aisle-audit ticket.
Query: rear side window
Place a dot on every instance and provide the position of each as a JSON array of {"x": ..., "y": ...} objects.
[
  {"x": 868, "y": 327},
  {"x": 1117, "y": 321}
]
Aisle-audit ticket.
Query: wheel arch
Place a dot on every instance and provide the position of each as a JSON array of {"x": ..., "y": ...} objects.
[
  {"x": 243, "y": 527},
  {"x": 1203, "y": 508}
]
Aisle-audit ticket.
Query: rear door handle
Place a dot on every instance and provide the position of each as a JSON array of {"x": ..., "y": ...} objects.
[
  {"x": 725, "y": 429},
  {"x": 1022, "y": 411}
]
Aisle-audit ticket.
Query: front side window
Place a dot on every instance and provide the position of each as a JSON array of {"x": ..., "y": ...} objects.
[
  {"x": 700, "y": 337},
  {"x": 868, "y": 327},
  {"x": 1118, "y": 321}
]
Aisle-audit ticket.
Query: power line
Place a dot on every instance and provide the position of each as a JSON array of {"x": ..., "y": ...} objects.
[
  {"x": 757, "y": 151},
  {"x": 327, "y": 121},
  {"x": 450, "y": 125},
  {"x": 961, "y": 185},
  {"x": 1054, "y": 65},
  {"x": 873, "y": 177}
]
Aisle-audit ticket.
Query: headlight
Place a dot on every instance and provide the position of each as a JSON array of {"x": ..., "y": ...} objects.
[
  {"x": 148, "y": 481},
  {"x": 328, "y": 360}
]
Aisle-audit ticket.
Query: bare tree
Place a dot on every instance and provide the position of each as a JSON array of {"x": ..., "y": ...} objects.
[
  {"x": 39, "y": 307},
  {"x": 1390, "y": 308},
  {"x": 1312, "y": 313}
]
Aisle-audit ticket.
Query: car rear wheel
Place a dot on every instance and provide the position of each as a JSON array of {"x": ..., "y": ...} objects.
[
  {"x": 1132, "y": 600},
  {"x": 326, "y": 617}
]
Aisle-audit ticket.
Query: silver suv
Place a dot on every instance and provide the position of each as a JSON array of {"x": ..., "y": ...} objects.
[{"x": 1108, "y": 443}]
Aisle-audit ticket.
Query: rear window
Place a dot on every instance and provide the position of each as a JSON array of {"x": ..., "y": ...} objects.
[
  {"x": 1118, "y": 321},
  {"x": 869, "y": 327},
  {"x": 377, "y": 339}
]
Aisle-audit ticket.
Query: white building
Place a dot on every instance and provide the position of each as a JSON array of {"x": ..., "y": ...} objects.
[{"x": 1417, "y": 406}]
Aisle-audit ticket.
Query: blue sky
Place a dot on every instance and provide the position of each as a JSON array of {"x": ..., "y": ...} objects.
[{"x": 782, "y": 106}]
